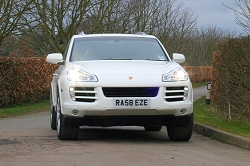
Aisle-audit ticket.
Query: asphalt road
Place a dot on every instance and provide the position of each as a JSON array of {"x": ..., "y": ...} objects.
[{"x": 28, "y": 140}]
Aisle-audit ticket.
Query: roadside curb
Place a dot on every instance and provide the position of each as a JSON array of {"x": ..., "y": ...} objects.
[{"x": 222, "y": 135}]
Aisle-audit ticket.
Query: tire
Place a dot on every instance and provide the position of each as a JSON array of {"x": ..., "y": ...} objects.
[
  {"x": 53, "y": 118},
  {"x": 67, "y": 129},
  {"x": 152, "y": 128},
  {"x": 181, "y": 132}
]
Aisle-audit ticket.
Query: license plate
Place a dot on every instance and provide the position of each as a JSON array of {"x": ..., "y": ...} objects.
[{"x": 131, "y": 102}]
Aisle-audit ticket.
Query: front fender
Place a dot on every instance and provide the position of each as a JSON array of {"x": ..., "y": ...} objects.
[{"x": 54, "y": 93}]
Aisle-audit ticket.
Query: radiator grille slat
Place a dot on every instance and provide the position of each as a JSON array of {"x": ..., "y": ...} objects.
[
  {"x": 85, "y": 94},
  {"x": 173, "y": 94}
]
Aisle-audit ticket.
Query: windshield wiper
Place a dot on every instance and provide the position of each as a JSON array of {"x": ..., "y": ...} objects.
[
  {"x": 157, "y": 60},
  {"x": 117, "y": 59}
]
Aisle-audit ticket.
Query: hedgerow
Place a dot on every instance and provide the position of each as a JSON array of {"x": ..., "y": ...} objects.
[
  {"x": 231, "y": 77},
  {"x": 24, "y": 80}
]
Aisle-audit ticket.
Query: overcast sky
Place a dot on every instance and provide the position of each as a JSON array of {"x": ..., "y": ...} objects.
[{"x": 213, "y": 12}]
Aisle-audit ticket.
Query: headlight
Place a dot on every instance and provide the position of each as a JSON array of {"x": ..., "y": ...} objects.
[
  {"x": 78, "y": 75},
  {"x": 175, "y": 75}
]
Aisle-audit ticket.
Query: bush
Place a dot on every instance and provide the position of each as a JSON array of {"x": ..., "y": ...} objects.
[
  {"x": 24, "y": 80},
  {"x": 231, "y": 77},
  {"x": 199, "y": 73}
]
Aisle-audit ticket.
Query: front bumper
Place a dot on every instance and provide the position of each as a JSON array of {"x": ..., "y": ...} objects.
[{"x": 104, "y": 106}]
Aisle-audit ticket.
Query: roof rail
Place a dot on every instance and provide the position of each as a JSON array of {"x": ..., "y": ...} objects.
[
  {"x": 81, "y": 33},
  {"x": 141, "y": 33}
]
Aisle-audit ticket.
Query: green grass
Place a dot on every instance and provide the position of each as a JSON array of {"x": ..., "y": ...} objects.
[
  {"x": 24, "y": 109},
  {"x": 196, "y": 85},
  {"x": 207, "y": 114}
]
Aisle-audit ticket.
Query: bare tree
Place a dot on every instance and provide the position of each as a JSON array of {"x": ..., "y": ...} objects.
[
  {"x": 176, "y": 25},
  {"x": 242, "y": 14},
  {"x": 200, "y": 46},
  {"x": 50, "y": 24},
  {"x": 102, "y": 17},
  {"x": 11, "y": 13},
  {"x": 46, "y": 25},
  {"x": 10, "y": 18}
]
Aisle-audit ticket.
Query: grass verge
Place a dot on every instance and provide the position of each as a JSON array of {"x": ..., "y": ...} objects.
[
  {"x": 209, "y": 115},
  {"x": 24, "y": 109},
  {"x": 196, "y": 85}
]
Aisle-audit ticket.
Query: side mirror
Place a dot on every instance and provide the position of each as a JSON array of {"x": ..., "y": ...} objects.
[
  {"x": 179, "y": 58},
  {"x": 54, "y": 58}
]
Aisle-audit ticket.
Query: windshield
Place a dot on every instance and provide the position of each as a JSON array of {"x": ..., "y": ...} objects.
[{"x": 117, "y": 48}]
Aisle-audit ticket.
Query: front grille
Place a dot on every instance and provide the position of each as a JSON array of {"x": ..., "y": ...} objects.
[
  {"x": 130, "y": 92},
  {"x": 173, "y": 94},
  {"x": 84, "y": 94}
]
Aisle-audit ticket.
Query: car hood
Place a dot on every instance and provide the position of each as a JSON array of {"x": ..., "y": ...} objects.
[{"x": 117, "y": 67}]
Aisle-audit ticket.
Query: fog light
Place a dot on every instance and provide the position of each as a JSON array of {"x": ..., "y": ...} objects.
[
  {"x": 72, "y": 93},
  {"x": 185, "y": 95},
  {"x": 75, "y": 112},
  {"x": 183, "y": 111}
]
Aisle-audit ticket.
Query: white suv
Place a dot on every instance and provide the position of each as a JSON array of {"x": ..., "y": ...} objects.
[{"x": 120, "y": 80}]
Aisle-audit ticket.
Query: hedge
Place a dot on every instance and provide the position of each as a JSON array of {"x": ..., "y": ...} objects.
[
  {"x": 199, "y": 73},
  {"x": 231, "y": 77},
  {"x": 28, "y": 79},
  {"x": 24, "y": 80}
]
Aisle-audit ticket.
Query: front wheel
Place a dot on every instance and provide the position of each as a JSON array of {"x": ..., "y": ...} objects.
[
  {"x": 177, "y": 132},
  {"x": 67, "y": 128},
  {"x": 53, "y": 118}
]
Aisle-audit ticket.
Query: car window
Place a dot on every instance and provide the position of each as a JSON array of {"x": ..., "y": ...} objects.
[{"x": 116, "y": 48}]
